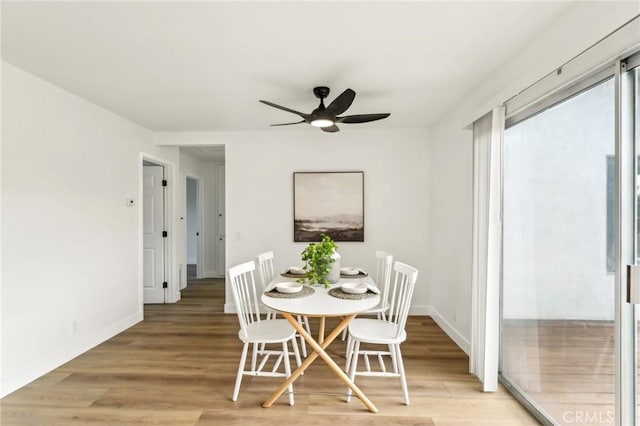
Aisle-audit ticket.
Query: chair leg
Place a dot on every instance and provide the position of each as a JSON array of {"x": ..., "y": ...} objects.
[
  {"x": 243, "y": 359},
  {"x": 354, "y": 364},
  {"x": 403, "y": 379},
  {"x": 254, "y": 356},
  {"x": 348, "y": 353},
  {"x": 307, "y": 327},
  {"x": 344, "y": 334},
  {"x": 304, "y": 321},
  {"x": 296, "y": 352},
  {"x": 394, "y": 358},
  {"x": 287, "y": 369}
]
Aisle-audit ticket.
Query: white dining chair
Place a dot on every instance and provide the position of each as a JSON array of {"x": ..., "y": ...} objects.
[
  {"x": 389, "y": 332},
  {"x": 267, "y": 273},
  {"x": 258, "y": 332},
  {"x": 384, "y": 262}
]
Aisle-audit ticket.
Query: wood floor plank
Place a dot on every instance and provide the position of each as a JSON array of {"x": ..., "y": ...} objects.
[{"x": 178, "y": 367}]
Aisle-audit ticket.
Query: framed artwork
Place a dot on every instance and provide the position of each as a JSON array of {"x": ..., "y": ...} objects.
[{"x": 330, "y": 203}]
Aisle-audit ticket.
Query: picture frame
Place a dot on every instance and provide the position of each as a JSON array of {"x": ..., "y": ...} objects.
[{"x": 330, "y": 203}]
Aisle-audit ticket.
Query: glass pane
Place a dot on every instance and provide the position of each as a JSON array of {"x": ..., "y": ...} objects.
[{"x": 559, "y": 258}]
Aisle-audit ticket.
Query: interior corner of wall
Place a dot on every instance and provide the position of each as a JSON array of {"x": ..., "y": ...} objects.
[{"x": 451, "y": 331}]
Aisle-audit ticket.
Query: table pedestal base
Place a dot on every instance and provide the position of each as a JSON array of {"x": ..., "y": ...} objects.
[{"x": 319, "y": 350}]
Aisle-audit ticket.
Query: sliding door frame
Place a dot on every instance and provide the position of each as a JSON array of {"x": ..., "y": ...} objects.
[
  {"x": 626, "y": 166},
  {"x": 625, "y": 220}
]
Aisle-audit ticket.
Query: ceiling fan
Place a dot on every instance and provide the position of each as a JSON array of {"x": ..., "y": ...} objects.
[{"x": 327, "y": 117}]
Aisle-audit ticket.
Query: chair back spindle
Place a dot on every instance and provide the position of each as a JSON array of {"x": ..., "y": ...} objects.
[
  {"x": 265, "y": 268},
  {"x": 400, "y": 293},
  {"x": 384, "y": 265},
  {"x": 245, "y": 295}
]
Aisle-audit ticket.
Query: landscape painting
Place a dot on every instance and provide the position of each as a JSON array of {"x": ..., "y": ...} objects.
[{"x": 330, "y": 203}]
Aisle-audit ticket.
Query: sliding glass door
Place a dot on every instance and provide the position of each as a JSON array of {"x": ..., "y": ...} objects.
[
  {"x": 571, "y": 227},
  {"x": 559, "y": 258}
]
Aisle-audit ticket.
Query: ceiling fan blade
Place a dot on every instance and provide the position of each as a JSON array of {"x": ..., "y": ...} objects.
[
  {"x": 288, "y": 124},
  {"x": 301, "y": 114},
  {"x": 341, "y": 103},
  {"x": 330, "y": 129},
  {"x": 361, "y": 118}
]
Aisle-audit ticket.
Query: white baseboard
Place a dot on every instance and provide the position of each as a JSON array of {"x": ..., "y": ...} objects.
[
  {"x": 81, "y": 343},
  {"x": 230, "y": 308},
  {"x": 451, "y": 331},
  {"x": 420, "y": 310}
]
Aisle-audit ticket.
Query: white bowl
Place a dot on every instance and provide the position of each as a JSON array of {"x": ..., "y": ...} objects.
[
  {"x": 289, "y": 287},
  {"x": 349, "y": 271},
  {"x": 354, "y": 288}
]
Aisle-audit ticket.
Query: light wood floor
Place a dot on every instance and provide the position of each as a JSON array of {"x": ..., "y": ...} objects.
[
  {"x": 565, "y": 366},
  {"x": 178, "y": 366}
]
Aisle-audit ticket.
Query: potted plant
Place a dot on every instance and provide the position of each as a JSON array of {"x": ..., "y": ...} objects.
[{"x": 322, "y": 262}]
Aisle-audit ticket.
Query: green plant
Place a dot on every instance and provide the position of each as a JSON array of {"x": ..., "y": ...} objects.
[{"x": 318, "y": 259}]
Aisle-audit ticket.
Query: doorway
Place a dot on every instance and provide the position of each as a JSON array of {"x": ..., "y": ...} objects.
[
  {"x": 203, "y": 264},
  {"x": 193, "y": 208}
]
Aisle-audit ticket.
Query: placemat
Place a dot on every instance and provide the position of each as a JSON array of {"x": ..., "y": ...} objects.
[
  {"x": 290, "y": 275},
  {"x": 337, "y": 292},
  {"x": 360, "y": 275},
  {"x": 306, "y": 291}
]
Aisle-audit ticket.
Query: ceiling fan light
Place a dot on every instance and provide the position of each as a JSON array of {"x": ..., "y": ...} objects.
[{"x": 321, "y": 122}]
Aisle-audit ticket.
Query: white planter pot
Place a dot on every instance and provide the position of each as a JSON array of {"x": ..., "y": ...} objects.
[{"x": 334, "y": 274}]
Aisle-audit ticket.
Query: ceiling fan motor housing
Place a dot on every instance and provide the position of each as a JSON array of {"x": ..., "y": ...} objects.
[{"x": 321, "y": 92}]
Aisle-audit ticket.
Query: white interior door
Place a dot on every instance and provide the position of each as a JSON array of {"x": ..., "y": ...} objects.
[{"x": 153, "y": 241}]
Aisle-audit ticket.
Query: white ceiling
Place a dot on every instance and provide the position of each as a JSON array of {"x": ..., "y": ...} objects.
[{"x": 180, "y": 66}]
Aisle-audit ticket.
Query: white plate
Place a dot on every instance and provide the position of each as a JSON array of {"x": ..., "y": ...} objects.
[
  {"x": 349, "y": 271},
  {"x": 296, "y": 271},
  {"x": 289, "y": 287},
  {"x": 354, "y": 288}
]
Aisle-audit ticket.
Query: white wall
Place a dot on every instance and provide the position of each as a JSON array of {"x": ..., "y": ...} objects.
[
  {"x": 259, "y": 198},
  {"x": 71, "y": 248},
  {"x": 450, "y": 231},
  {"x": 451, "y": 160}
]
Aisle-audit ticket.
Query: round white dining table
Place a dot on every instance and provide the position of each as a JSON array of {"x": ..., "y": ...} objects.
[{"x": 322, "y": 305}]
